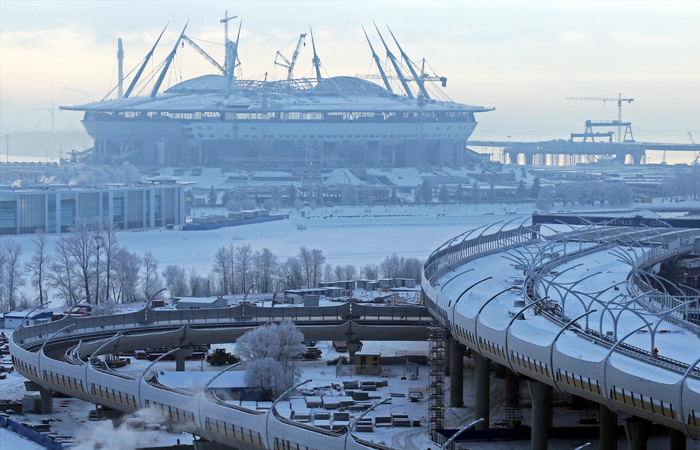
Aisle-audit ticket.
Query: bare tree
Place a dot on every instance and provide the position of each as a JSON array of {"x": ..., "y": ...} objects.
[
  {"x": 81, "y": 246},
  {"x": 111, "y": 247},
  {"x": 151, "y": 280},
  {"x": 243, "y": 261},
  {"x": 266, "y": 266},
  {"x": 14, "y": 277},
  {"x": 349, "y": 272},
  {"x": 98, "y": 242},
  {"x": 305, "y": 260},
  {"x": 175, "y": 280},
  {"x": 127, "y": 266},
  {"x": 62, "y": 276},
  {"x": 292, "y": 273},
  {"x": 222, "y": 268},
  {"x": 38, "y": 266}
]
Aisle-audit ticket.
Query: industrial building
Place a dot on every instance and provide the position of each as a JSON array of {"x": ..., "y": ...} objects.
[{"x": 55, "y": 209}]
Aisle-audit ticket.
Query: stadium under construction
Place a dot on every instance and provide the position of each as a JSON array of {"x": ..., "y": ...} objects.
[{"x": 227, "y": 121}]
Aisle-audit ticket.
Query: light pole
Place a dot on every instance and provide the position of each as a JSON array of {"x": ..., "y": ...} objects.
[
  {"x": 454, "y": 436},
  {"x": 267, "y": 419},
  {"x": 354, "y": 422}
]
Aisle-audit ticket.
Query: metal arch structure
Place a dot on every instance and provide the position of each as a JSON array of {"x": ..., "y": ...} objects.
[
  {"x": 476, "y": 319},
  {"x": 607, "y": 363},
  {"x": 513, "y": 319},
  {"x": 554, "y": 343},
  {"x": 462, "y": 294},
  {"x": 680, "y": 395}
]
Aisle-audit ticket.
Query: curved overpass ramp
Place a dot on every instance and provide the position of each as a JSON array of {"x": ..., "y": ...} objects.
[
  {"x": 61, "y": 356},
  {"x": 577, "y": 310}
]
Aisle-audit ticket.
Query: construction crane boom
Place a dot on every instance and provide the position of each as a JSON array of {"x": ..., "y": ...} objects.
[
  {"x": 289, "y": 65},
  {"x": 604, "y": 99},
  {"x": 203, "y": 53}
]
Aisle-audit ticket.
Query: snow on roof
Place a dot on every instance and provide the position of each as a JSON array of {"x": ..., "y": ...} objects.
[
  {"x": 341, "y": 176},
  {"x": 198, "y": 299},
  {"x": 22, "y": 313}
]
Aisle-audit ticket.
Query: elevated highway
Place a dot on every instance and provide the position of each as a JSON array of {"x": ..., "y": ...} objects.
[
  {"x": 62, "y": 356},
  {"x": 574, "y": 309}
]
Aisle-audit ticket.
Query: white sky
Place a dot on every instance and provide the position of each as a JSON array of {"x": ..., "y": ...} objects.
[{"x": 522, "y": 57}]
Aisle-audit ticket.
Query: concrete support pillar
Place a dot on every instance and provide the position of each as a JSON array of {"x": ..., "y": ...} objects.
[
  {"x": 46, "y": 406},
  {"x": 607, "y": 432},
  {"x": 541, "y": 413},
  {"x": 180, "y": 357},
  {"x": 482, "y": 391},
  {"x": 456, "y": 374},
  {"x": 353, "y": 347},
  {"x": 46, "y": 401},
  {"x": 678, "y": 440},
  {"x": 637, "y": 430}
]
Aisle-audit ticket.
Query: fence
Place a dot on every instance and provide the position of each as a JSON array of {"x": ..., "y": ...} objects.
[{"x": 30, "y": 434}]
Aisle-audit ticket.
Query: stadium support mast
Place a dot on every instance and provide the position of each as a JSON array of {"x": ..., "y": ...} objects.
[
  {"x": 316, "y": 61},
  {"x": 120, "y": 69},
  {"x": 143, "y": 66},
  {"x": 231, "y": 57},
  {"x": 409, "y": 63},
  {"x": 392, "y": 58},
  {"x": 379, "y": 65},
  {"x": 166, "y": 66}
]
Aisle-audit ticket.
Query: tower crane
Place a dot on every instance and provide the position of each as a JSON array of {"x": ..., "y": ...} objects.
[
  {"x": 289, "y": 65},
  {"x": 697, "y": 154},
  {"x": 619, "y": 101},
  {"x": 52, "y": 110},
  {"x": 203, "y": 53}
]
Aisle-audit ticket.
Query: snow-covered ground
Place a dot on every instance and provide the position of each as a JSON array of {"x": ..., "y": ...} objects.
[{"x": 347, "y": 235}]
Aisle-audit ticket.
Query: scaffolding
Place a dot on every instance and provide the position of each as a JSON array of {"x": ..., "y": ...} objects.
[
  {"x": 436, "y": 410},
  {"x": 514, "y": 406}
]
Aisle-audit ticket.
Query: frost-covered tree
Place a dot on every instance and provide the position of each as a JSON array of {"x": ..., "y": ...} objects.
[
  {"x": 175, "y": 280},
  {"x": 459, "y": 194},
  {"x": 151, "y": 280},
  {"x": 370, "y": 272},
  {"x": 444, "y": 194},
  {"x": 391, "y": 266},
  {"x": 475, "y": 193},
  {"x": 127, "y": 267},
  {"x": 536, "y": 187},
  {"x": 280, "y": 344},
  {"x": 211, "y": 197},
  {"x": 545, "y": 198},
  {"x": 425, "y": 192}
]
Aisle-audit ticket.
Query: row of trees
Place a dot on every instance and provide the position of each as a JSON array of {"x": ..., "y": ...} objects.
[{"x": 89, "y": 264}]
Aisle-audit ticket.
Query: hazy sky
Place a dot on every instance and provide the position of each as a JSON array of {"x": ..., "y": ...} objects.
[{"x": 521, "y": 57}]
